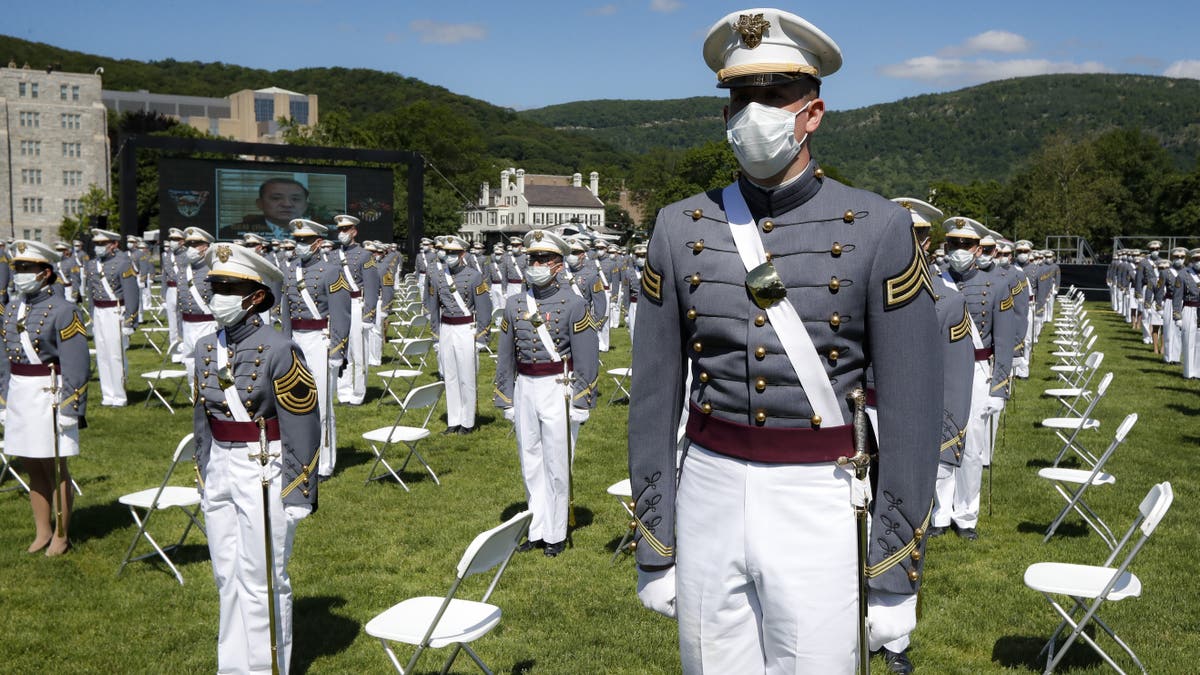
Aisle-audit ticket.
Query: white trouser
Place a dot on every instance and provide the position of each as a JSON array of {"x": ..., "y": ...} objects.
[
  {"x": 1190, "y": 353},
  {"x": 614, "y": 307},
  {"x": 314, "y": 344},
  {"x": 765, "y": 567},
  {"x": 1130, "y": 305},
  {"x": 29, "y": 426},
  {"x": 603, "y": 333},
  {"x": 352, "y": 385},
  {"x": 375, "y": 337},
  {"x": 110, "y": 353},
  {"x": 1147, "y": 316},
  {"x": 456, "y": 354},
  {"x": 1050, "y": 303},
  {"x": 499, "y": 299},
  {"x": 541, "y": 430},
  {"x": 1112, "y": 296},
  {"x": 631, "y": 317},
  {"x": 421, "y": 286},
  {"x": 170, "y": 306},
  {"x": 144, "y": 297},
  {"x": 1171, "y": 338},
  {"x": 968, "y": 476},
  {"x": 233, "y": 518},
  {"x": 190, "y": 332},
  {"x": 943, "y": 496}
]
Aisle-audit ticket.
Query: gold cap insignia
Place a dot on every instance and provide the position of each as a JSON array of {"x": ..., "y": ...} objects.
[
  {"x": 906, "y": 204},
  {"x": 537, "y": 235},
  {"x": 223, "y": 253},
  {"x": 751, "y": 28},
  {"x": 20, "y": 247}
]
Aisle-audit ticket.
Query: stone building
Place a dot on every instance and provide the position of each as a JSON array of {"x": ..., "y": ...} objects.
[
  {"x": 525, "y": 202},
  {"x": 250, "y": 115}
]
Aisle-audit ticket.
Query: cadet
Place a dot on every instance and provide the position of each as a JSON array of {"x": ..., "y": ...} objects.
[
  {"x": 48, "y": 367},
  {"x": 1024, "y": 305},
  {"x": 546, "y": 368},
  {"x": 460, "y": 311},
  {"x": 5, "y": 274},
  {"x": 1171, "y": 334},
  {"x": 315, "y": 312},
  {"x": 358, "y": 269},
  {"x": 172, "y": 269},
  {"x": 252, "y": 389},
  {"x": 195, "y": 316},
  {"x": 1144, "y": 280},
  {"x": 769, "y": 410},
  {"x": 993, "y": 333},
  {"x": 1185, "y": 302},
  {"x": 584, "y": 279},
  {"x": 632, "y": 279},
  {"x": 67, "y": 271},
  {"x": 1019, "y": 293},
  {"x": 606, "y": 268},
  {"x": 513, "y": 268},
  {"x": 425, "y": 257},
  {"x": 112, "y": 283}
]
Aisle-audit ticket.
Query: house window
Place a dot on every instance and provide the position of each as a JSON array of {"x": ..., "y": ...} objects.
[
  {"x": 72, "y": 149},
  {"x": 299, "y": 111},
  {"x": 75, "y": 92},
  {"x": 264, "y": 109},
  {"x": 33, "y": 87},
  {"x": 21, "y": 89},
  {"x": 62, "y": 92}
]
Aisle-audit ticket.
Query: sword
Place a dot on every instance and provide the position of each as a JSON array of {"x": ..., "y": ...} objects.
[
  {"x": 861, "y": 463},
  {"x": 59, "y": 493},
  {"x": 566, "y": 381},
  {"x": 264, "y": 457},
  {"x": 328, "y": 398},
  {"x": 992, "y": 440}
]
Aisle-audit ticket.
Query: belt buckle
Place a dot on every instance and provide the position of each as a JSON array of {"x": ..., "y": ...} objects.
[{"x": 765, "y": 286}]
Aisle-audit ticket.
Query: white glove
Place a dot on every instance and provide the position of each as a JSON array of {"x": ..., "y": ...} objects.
[
  {"x": 889, "y": 616},
  {"x": 656, "y": 590},
  {"x": 296, "y": 512},
  {"x": 1179, "y": 323},
  {"x": 580, "y": 415},
  {"x": 336, "y": 362},
  {"x": 3, "y": 417},
  {"x": 509, "y": 414},
  {"x": 993, "y": 406},
  {"x": 126, "y": 330},
  {"x": 66, "y": 422}
]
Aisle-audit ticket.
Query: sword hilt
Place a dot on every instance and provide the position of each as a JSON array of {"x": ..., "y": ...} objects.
[{"x": 861, "y": 460}]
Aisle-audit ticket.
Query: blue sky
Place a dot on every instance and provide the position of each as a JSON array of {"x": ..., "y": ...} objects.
[{"x": 526, "y": 54}]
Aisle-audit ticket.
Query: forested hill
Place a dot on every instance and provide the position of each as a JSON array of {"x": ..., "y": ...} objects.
[{"x": 978, "y": 133}]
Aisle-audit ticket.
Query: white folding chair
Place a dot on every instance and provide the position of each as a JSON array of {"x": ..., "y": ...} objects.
[
  {"x": 416, "y": 349},
  {"x": 7, "y": 469},
  {"x": 620, "y": 378},
  {"x": 1082, "y": 479},
  {"x": 1070, "y": 395},
  {"x": 382, "y": 439},
  {"x": 148, "y": 332},
  {"x": 1078, "y": 424},
  {"x": 622, "y": 490},
  {"x": 144, "y": 503},
  {"x": 1088, "y": 586},
  {"x": 163, "y": 374},
  {"x": 436, "y": 622}
]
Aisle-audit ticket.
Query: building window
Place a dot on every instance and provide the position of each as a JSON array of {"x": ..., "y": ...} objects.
[
  {"x": 33, "y": 89},
  {"x": 71, "y": 120},
  {"x": 30, "y": 119},
  {"x": 71, "y": 207},
  {"x": 75, "y": 92},
  {"x": 31, "y": 176},
  {"x": 522, "y": 217},
  {"x": 299, "y": 111},
  {"x": 31, "y": 204},
  {"x": 31, "y": 148},
  {"x": 27, "y": 233},
  {"x": 62, "y": 92},
  {"x": 264, "y": 109},
  {"x": 72, "y": 149},
  {"x": 72, "y": 178},
  {"x": 21, "y": 89}
]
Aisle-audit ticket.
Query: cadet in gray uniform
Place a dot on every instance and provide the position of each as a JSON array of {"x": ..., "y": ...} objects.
[
  {"x": 1144, "y": 279},
  {"x": 585, "y": 279},
  {"x": 358, "y": 268},
  {"x": 48, "y": 366},
  {"x": 1024, "y": 305},
  {"x": 112, "y": 284},
  {"x": 460, "y": 311},
  {"x": 606, "y": 268},
  {"x": 1171, "y": 334},
  {"x": 632, "y": 280},
  {"x": 1186, "y": 312},
  {"x": 192, "y": 305},
  {"x": 5, "y": 274},
  {"x": 513, "y": 269},
  {"x": 766, "y": 427},
  {"x": 547, "y": 359},
  {"x": 993, "y": 334},
  {"x": 252, "y": 388},
  {"x": 172, "y": 262},
  {"x": 315, "y": 312}
]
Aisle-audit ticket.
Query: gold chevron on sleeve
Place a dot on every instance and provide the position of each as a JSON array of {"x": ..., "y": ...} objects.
[
  {"x": 296, "y": 390},
  {"x": 504, "y": 325},
  {"x": 907, "y": 285},
  {"x": 586, "y": 322},
  {"x": 963, "y": 328},
  {"x": 74, "y": 328},
  {"x": 652, "y": 282},
  {"x": 482, "y": 288},
  {"x": 1006, "y": 304},
  {"x": 598, "y": 287},
  {"x": 339, "y": 285}
]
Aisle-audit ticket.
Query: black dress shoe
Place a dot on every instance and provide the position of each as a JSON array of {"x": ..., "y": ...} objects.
[
  {"x": 967, "y": 533},
  {"x": 466, "y": 430},
  {"x": 552, "y": 550},
  {"x": 451, "y": 430},
  {"x": 935, "y": 531},
  {"x": 528, "y": 545},
  {"x": 897, "y": 662}
]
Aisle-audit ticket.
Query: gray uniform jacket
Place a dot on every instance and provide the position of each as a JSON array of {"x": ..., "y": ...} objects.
[
  {"x": 1144, "y": 278},
  {"x": 1165, "y": 294},
  {"x": 122, "y": 278},
  {"x": 587, "y": 280},
  {"x": 68, "y": 271},
  {"x": 170, "y": 270},
  {"x": 1020, "y": 305},
  {"x": 472, "y": 289},
  {"x": 958, "y": 366},
  {"x": 571, "y": 327},
  {"x": 274, "y": 384},
  {"x": 329, "y": 292},
  {"x": 493, "y": 272},
  {"x": 185, "y": 301},
  {"x": 990, "y": 302},
  {"x": 1187, "y": 290},
  {"x": 363, "y": 269},
  {"x": 856, "y": 276},
  {"x": 56, "y": 330},
  {"x": 512, "y": 270}
]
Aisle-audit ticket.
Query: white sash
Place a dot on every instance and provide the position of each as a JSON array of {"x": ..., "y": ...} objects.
[
  {"x": 786, "y": 322},
  {"x": 196, "y": 294},
  {"x": 543, "y": 333},
  {"x": 346, "y": 269},
  {"x": 603, "y": 276},
  {"x": 26, "y": 344},
  {"x": 231, "y": 392},
  {"x": 304, "y": 294},
  {"x": 458, "y": 299},
  {"x": 571, "y": 283},
  {"x": 516, "y": 267},
  {"x": 104, "y": 281}
]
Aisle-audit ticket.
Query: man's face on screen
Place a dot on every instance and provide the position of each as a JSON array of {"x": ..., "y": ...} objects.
[{"x": 281, "y": 202}]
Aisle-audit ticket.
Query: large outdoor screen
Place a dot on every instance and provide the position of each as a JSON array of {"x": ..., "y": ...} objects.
[{"x": 230, "y": 199}]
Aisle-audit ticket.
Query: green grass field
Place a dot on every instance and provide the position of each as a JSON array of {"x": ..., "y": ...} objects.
[{"x": 370, "y": 546}]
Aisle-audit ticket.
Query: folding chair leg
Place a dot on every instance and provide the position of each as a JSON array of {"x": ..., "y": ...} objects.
[
  {"x": 475, "y": 657},
  {"x": 379, "y": 459},
  {"x": 412, "y": 452},
  {"x": 158, "y": 549},
  {"x": 8, "y": 469},
  {"x": 450, "y": 659}
]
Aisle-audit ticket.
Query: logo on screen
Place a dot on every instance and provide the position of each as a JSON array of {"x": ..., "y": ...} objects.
[
  {"x": 188, "y": 202},
  {"x": 370, "y": 209}
]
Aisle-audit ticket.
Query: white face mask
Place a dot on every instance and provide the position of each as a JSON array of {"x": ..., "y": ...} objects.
[
  {"x": 441, "y": 255},
  {"x": 100, "y": 251},
  {"x": 454, "y": 263},
  {"x": 573, "y": 261},
  {"x": 26, "y": 282},
  {"x": 539, "y": 275},
  {"x": 1177, "y": 263},
  {"x": 639, "y": 262},
  {"x": 961, "y": 259},
  {"x": 983, "y": 262},
  {"x": 1196, "y": 265},
  {"x": 764, "y": 139},
  {"x": 305, "y": 252},
  {"x": 174, "y": 245},
  {"x": 192, "y": 255},
  {"x": 1022, "y": 258},
  {"x": 345, "y": 238},
  {"x": 289, "y": 253},
  {"x": 227, "y": 309}
]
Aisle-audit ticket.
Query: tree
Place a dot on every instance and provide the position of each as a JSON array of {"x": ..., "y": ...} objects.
[{"x": 93, "y": 204}]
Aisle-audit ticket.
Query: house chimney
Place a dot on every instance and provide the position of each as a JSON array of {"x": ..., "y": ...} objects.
[
  {"x": 577, "y": 180},
  {"x": 520, "y": 181},
  {"x": 594, "y": 184},
  {"x": 504, "y": 183},
  {"x": 485, "y": 191}
]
